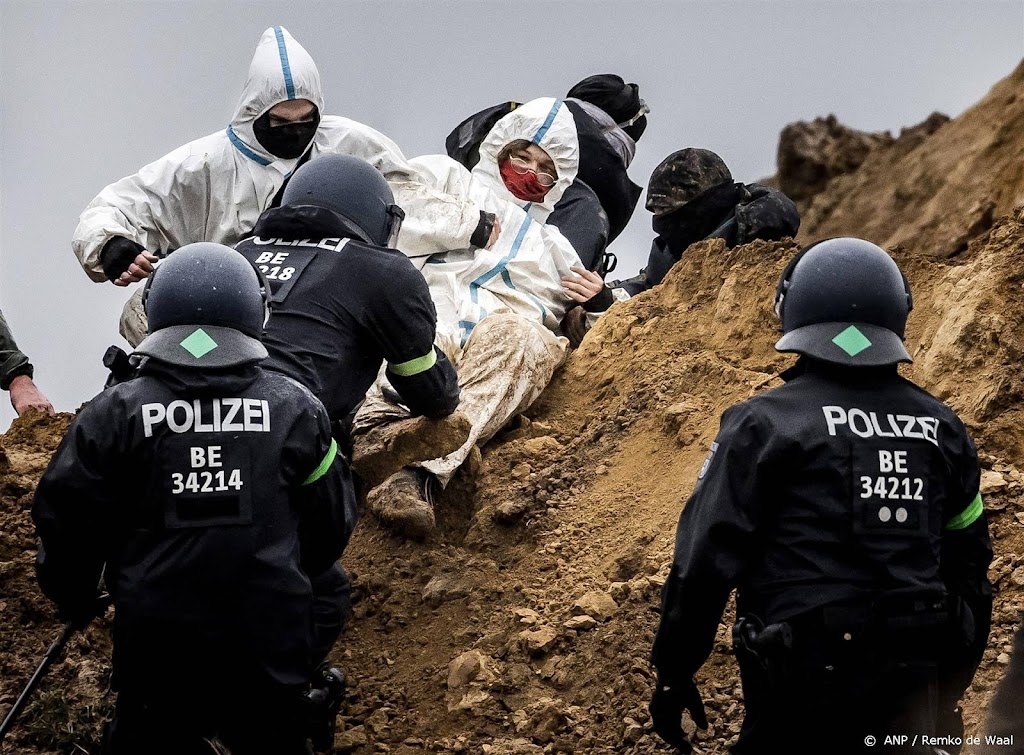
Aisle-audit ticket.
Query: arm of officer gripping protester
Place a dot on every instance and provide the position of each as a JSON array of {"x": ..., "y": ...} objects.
[
  {"x": 403, "y": 321},
  {"x": 73, "y": 510},
  {"x": 965, "y": 558},
  {"x": 322, "y": 490},
  {"x": 713, "y": 539}
]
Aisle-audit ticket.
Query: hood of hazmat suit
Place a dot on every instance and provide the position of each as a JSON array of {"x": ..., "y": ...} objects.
[
  {"x": 522, "y": 272},
  {"x": 547, "y": 123},
  {"x": 281, "y": 70},
  {"x": 216, "y": 187}
]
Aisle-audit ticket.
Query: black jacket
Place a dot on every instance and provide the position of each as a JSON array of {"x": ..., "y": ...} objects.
[
  {"x": 735, "y": 212},
  {"x": 840, "y": 486},
  {"x": 12, "y": 361},
  {"x": 340, "y": 308},
  {"x": 210, "y": 497}
]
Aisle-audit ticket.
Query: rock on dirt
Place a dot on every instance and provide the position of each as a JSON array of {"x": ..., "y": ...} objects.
[
  {"x": 443, "y": 588},
  {"x": 539, "y": 641},
  {"x": 466, "y": 668},
  {"x": 598, "y": 605}
]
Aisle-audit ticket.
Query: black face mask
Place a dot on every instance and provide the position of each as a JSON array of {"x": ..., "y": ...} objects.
[{"x": 288, "y": 141}]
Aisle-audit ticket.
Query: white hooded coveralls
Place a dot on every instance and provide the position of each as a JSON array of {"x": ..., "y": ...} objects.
[
  {"x": 499, "y": 310},
  {"x": 214, "y": 188}
]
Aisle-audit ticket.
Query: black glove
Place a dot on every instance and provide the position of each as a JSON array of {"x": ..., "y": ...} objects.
[
  {"x": 600, "y": 301},
  {"x": 81, "y": 613},
  {"x": 482, "y": 234},
  {"x": 666, "y": 708},
  {"x": 117, "y": 256},
  {"x": 574, "y": 326}
]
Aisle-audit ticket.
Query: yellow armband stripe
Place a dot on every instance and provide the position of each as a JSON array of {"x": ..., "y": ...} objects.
[
  {"x": 321, "y": 470},
  {"x": 968, "y": 516},
  {"x": 414, "y": 366}
]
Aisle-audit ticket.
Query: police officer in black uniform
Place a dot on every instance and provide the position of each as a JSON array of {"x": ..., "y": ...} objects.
[
  {"x": 206, "y": 490},
  {"x": 344, "y": 302},
  {"x": 844, "y": 507}
]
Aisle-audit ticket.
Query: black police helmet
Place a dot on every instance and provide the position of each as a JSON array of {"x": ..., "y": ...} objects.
[
  {"x": 353, "y": 192},
  {"x": 206, "y": 305},
  {"x": 844, "y": 301}
]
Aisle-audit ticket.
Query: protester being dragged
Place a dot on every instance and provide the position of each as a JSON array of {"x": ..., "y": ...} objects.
[{"x": 499, "y": 310}]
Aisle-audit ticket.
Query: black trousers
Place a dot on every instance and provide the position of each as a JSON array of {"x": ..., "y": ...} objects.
[
  {"x": 166, "y": 721},
  {"x": 332, "y": 605},
  {"x": 858, "y": 708}
]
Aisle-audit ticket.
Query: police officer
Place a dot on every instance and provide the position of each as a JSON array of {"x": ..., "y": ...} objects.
[
  {"x": 345, "y": 302},
  {"x": 206, "y": 490},
  {"x": 844, "y": 507}
]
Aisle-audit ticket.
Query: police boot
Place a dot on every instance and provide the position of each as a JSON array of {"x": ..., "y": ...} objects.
[
  {"x": 404, "y": 503},
  {"x": 323, "y": 701}
]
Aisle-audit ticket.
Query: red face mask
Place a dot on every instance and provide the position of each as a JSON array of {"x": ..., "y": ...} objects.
[{"x": 523, "y": 186}]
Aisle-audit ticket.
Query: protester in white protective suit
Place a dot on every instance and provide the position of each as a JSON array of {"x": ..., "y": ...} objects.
[
  {"x": 498, "y": 310},
  {"x": 214, "y": 188}
]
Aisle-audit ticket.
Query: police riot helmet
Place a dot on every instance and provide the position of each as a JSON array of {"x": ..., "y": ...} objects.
[
  {"x": 350, "y": 190},
  {"x": 844, "y": 301},
  {"x": 206, "y": 305}
]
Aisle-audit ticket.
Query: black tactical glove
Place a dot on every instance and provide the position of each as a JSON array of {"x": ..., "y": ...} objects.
[
  {"x": 81, "y": 613},
  {"x": 666, "y": 708},
  {"x": 117, "y": 256}
]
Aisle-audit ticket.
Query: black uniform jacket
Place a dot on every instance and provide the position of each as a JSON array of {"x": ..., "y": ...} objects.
[
  {"x": 838, "y": 486},
  {"x": 340, "y": 308},
  {"x": 735, "y": 212},
  {"x": 210, "y": 496}
]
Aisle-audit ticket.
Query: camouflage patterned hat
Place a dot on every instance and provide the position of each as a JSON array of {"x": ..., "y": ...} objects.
[{"x": 682, "y": 176}]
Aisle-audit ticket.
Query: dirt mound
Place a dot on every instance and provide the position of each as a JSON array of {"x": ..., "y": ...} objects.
[
  {"x": 933, "y": 193},
  {"x": 69, "y": 709},
  {"x": 811, "y": 153},
  {"x": 553, "y": 616}
]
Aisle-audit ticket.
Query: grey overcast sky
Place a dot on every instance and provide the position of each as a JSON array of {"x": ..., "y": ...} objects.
[{"x": 91, "y": 91}]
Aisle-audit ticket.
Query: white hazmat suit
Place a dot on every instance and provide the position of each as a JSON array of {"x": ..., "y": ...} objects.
[
  {"x": 499, "y": 310},
  {"x": 214, "y": 188}
]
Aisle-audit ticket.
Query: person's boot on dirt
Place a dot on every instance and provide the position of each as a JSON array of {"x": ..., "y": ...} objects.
[
  {"x": 208, "y": 491},
  {"x": 844, "y": 508}
]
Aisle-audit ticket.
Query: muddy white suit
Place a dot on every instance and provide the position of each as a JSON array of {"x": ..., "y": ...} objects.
[
  {"x": 214, "y": 188},
  {"x": 499, "y": 309}
]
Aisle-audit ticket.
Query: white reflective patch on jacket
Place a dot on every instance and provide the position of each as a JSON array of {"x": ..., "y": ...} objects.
[
  {"x": 865, "y": 424},
  {"x": 228, "y": 415}
]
